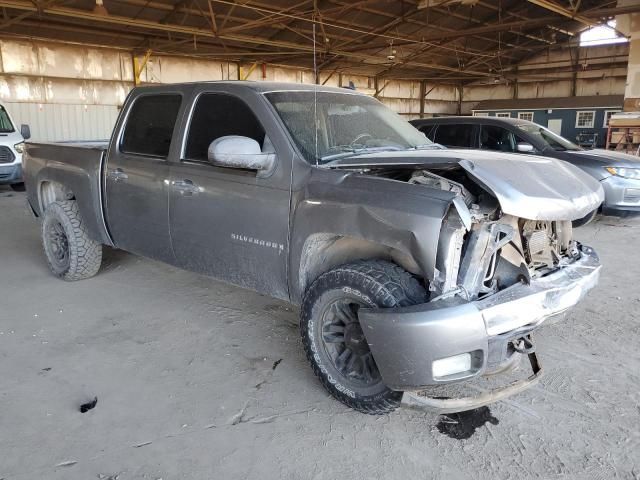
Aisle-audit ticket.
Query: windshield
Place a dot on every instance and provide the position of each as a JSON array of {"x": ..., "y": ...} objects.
[
  {"x": 5, "y": 123},
  {"x": 346, "y": 124},
  {"x": 549, "y": 138}
]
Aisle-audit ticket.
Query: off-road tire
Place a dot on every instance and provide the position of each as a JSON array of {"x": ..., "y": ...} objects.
[
  {"x": 581, "y": 222},
  {"x": 83, "y": 255},
  {"x": 373, "y": 283}
]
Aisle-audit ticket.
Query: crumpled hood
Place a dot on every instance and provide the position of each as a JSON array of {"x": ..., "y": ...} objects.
[
  {"x": 537, "y": 188},
  {"x": 527, "y": 186}
]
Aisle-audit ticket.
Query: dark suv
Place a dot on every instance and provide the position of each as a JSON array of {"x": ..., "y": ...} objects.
[{"x": 618, "y": 173}]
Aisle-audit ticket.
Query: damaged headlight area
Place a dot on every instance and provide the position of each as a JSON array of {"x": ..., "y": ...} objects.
[{"x": 482, "y": 251}]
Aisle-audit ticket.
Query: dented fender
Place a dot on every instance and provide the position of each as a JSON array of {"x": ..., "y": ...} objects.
[{"x": 399, "y": 216}]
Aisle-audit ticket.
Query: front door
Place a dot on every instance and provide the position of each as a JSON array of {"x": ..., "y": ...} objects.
[
  {"x": 555, "y": 125},
  {"x": 137, "y": 174},
  {"x": 230, "y": 223}
]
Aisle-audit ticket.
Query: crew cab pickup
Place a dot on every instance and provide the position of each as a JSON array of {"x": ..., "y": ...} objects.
[{"x": 414, "y": 266}]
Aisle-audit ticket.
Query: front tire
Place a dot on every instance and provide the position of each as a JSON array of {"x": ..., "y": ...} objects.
[
  {"x": 332, "y": 336},
  {"x": 70, "y": 253}
]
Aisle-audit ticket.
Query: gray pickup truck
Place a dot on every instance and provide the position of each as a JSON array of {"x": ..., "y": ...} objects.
[{"x": 414, "y": 266}]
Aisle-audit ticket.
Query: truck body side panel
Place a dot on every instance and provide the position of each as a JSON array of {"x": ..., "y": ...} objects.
[
  {"x": 78, "y": 168},
  {"x": 231, "y": 223},
  {"x": 339, "y": 204}
]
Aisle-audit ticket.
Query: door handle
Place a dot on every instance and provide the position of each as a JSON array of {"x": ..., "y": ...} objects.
[
  {"x": 117, "y": 175},
  {"x": 186, "y": 187}
]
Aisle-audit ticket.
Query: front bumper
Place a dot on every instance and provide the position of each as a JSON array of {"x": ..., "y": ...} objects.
[
  {"x": 10, "y": 174},
  {"x": 621, "y": 194},
  {"x": 406, "y": 341}
]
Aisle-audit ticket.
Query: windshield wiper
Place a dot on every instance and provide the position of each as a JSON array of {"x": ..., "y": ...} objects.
[
  {"x": 355, "y": 150},
  {"x": 428, "y": 146}
]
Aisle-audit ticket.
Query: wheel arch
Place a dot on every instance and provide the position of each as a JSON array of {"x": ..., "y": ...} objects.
[
  {"x": 52, "y": 185},
  {"x": 50, "y": 191},
  {"x": 323, "y": 252}
]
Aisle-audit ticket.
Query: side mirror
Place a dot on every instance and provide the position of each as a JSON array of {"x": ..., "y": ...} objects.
[
  {"x": 234, "y": 151},
  {"x": 524, "y": 147},
  {"x": 25, "y": 131}
]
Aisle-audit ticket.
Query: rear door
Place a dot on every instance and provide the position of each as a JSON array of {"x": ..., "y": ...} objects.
[
  {"x": 137, "y": 173},
  {"x": 231, "y": 223}
]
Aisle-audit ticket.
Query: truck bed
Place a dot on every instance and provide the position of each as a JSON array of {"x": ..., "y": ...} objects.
[{"x": 78, "y": 166}]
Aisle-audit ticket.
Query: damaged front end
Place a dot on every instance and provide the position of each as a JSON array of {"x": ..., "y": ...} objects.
[{"x": 498, "y": 277}]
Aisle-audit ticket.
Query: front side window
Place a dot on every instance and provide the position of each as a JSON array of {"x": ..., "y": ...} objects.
[
  {"x": 150, "y": 125},
  {"x": 329, "y": 125},
  {"x": 547, "y": 137},
  {"x": 217, "y": 115},
  {"x": 585, "y": 119},
  {"x": 462, "y": 136},
  {"x": 528, "y": 116},
  {"x": 5, "y": 122},
  {"x": 497, "y": 138}
]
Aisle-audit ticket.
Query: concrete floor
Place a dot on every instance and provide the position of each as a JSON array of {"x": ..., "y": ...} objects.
[{"x": 183, "y": 368}]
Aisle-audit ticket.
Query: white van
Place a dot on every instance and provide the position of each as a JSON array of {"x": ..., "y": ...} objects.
[{"x": 11, "y": 148}]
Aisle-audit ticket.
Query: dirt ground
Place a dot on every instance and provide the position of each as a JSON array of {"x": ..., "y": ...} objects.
[{"x": 196, "y": 379}]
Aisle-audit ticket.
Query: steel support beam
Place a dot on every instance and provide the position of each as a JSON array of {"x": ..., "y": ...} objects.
[{"x": 208, "y": 33}]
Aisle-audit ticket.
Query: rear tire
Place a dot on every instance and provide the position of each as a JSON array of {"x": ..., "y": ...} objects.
[
  {"x": 17, "y": 187},
  {"x": 581, "y": 222},
  {"x": 333, "y": 339},
  {"x": 70, "y": 253}
]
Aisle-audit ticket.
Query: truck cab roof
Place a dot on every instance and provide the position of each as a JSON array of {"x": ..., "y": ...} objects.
[{"x": 260, "y": 87}]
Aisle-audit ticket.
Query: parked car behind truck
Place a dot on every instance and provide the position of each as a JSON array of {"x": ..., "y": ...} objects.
[
  {"x": 413, "y": 266},
  {"x": 618, "y": 173},
  {"x": 11, "y": 149}
]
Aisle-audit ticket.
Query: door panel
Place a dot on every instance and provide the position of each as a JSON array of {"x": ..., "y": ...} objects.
[
  {"x": 136, "y": 206},
  {"x": 229, "y": 223},
  {"x": 233, "y": 227},
  {"x": 137, "y": 177}
]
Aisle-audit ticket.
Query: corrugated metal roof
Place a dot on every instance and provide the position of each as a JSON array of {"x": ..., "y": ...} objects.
[{"x": 595, "y": 101}]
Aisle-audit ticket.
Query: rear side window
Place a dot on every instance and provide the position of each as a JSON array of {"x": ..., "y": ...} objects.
[
  {"x": 217, "y": 115},
  {"x": 150, "y": 125},
  {"x": 463, "y": 136},
  {"x": 497, "y": 138}
]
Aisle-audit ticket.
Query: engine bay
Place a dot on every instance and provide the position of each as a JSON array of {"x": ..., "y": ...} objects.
[{"x": 483, "y": 250}]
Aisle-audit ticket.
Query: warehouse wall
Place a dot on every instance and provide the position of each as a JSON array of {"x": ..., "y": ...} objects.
[
  {"x": 68, "y": 91},
  {"x": 536, "y": 82},
  {"x": 63, "y": 91},
  {"x": 56, "y": 121}
]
